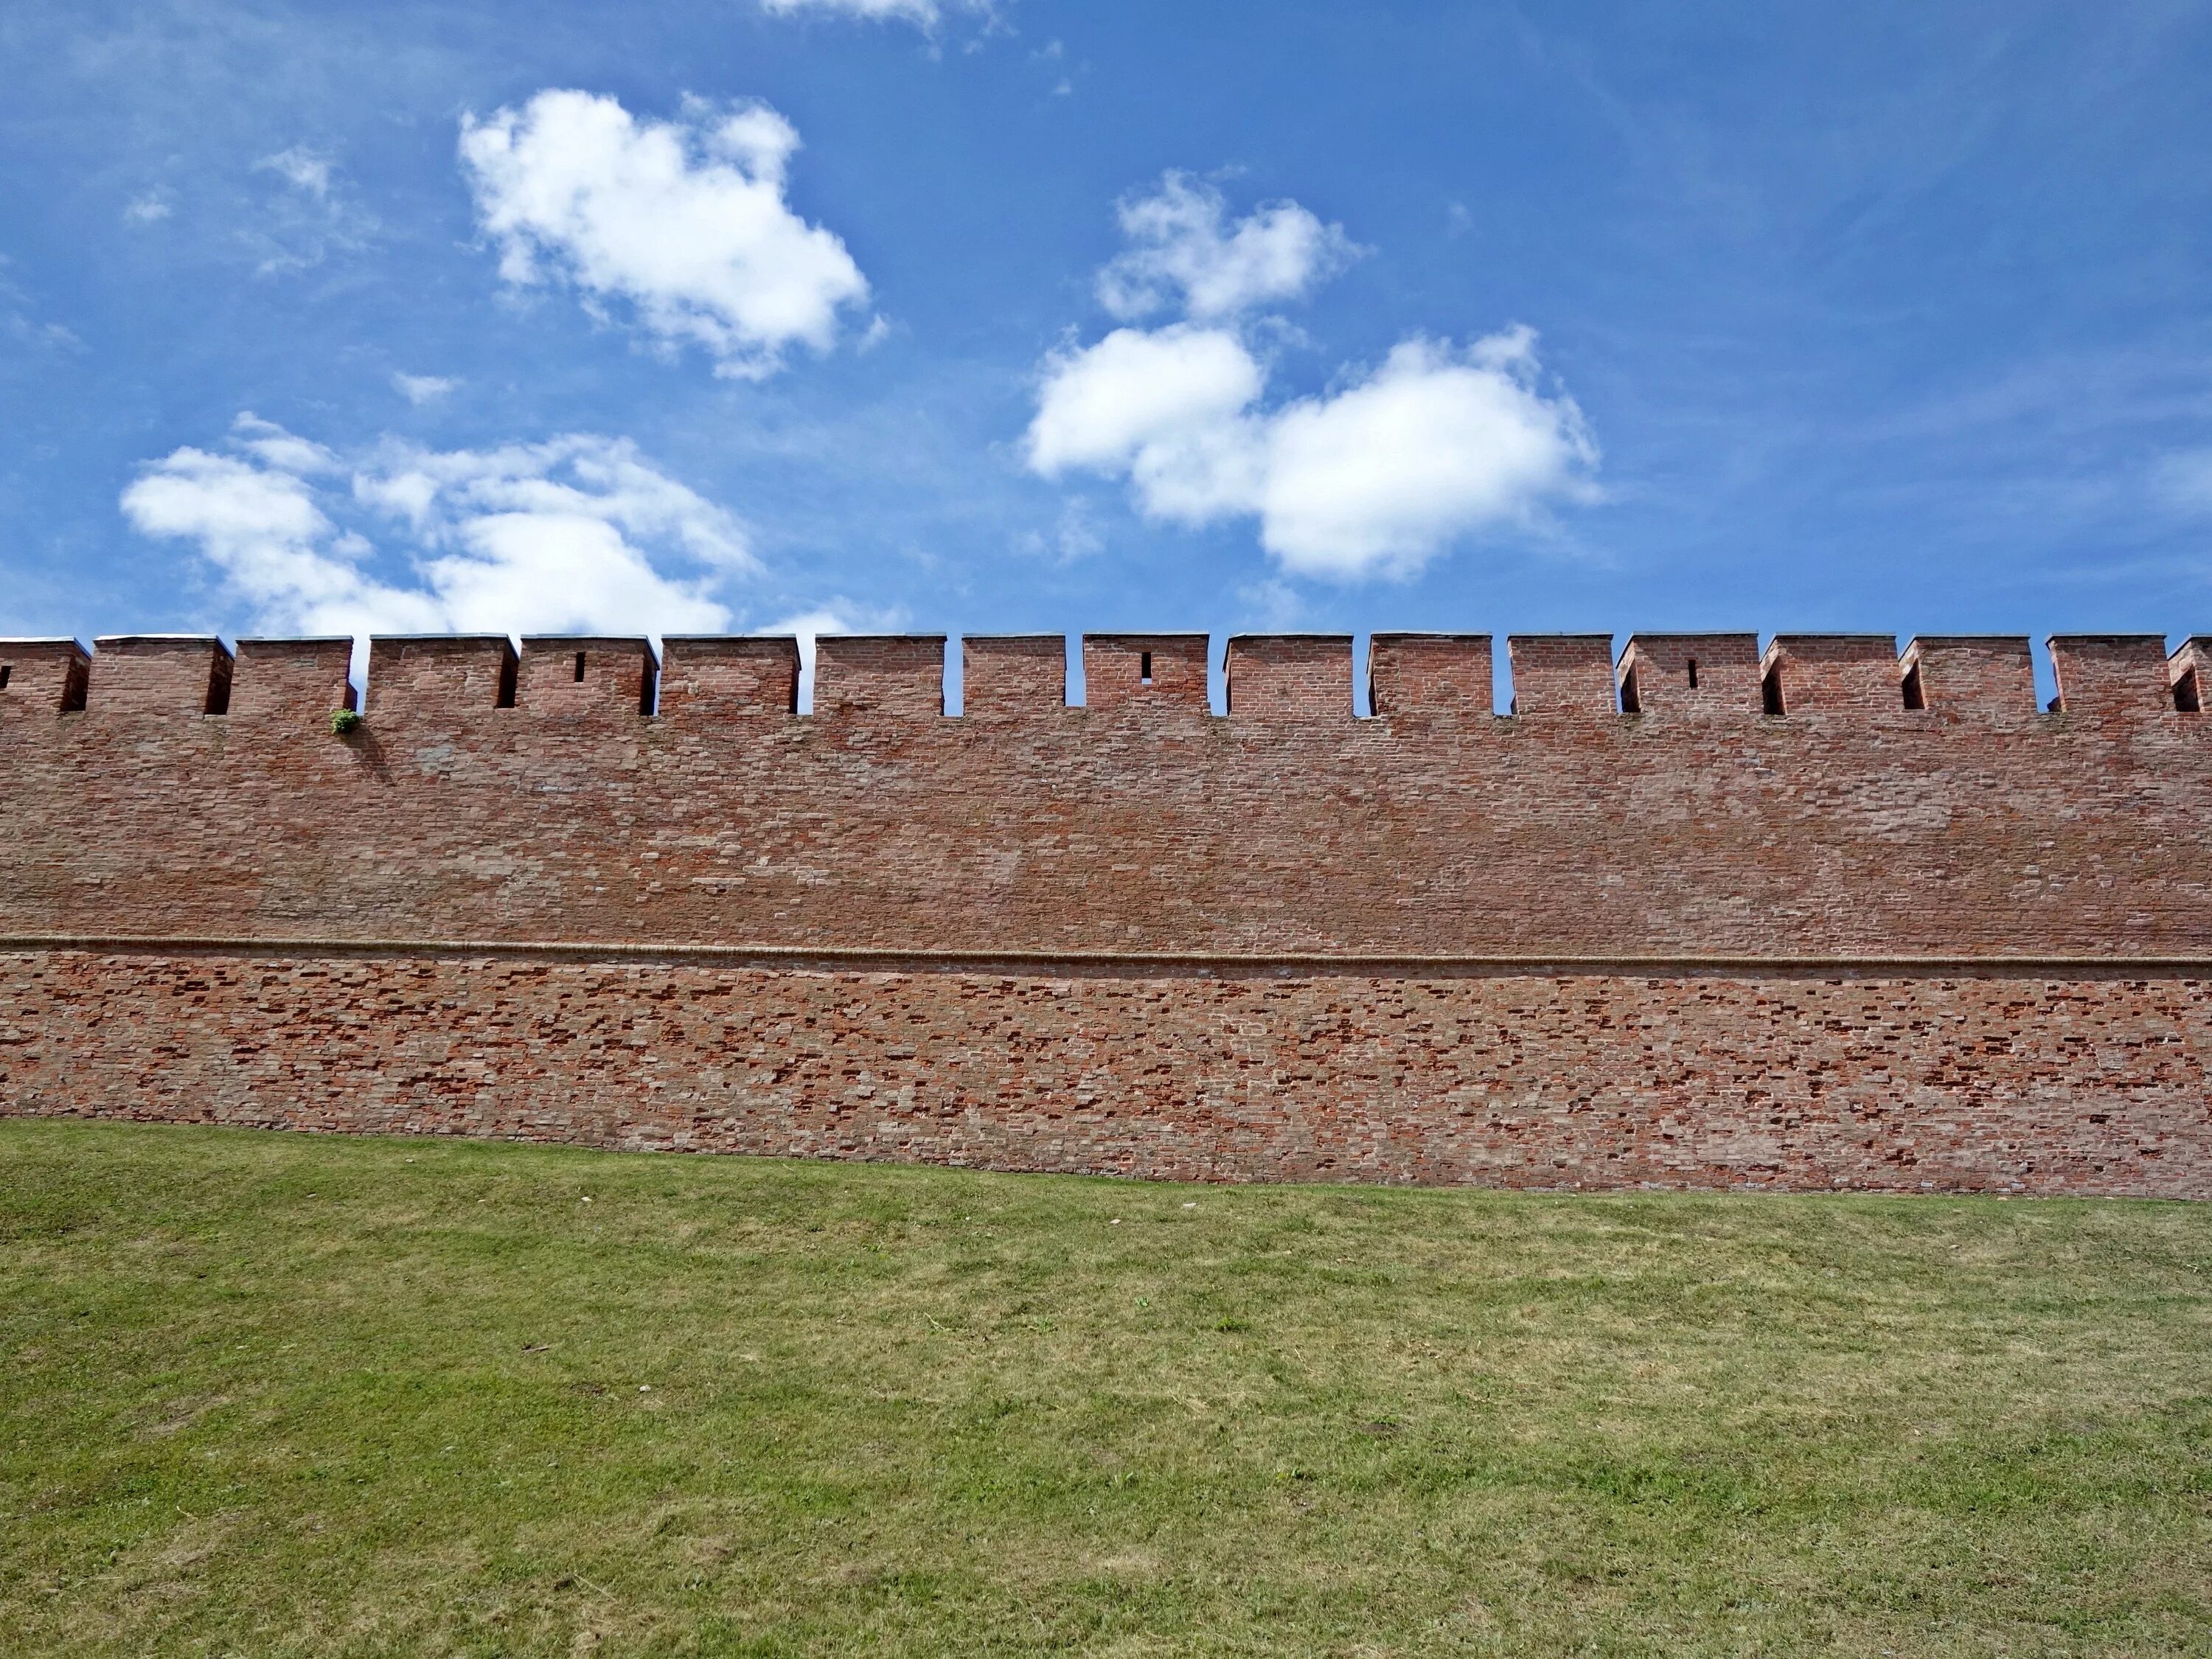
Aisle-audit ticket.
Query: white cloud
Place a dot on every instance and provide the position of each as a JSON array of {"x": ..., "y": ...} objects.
[
  {"x": 155, "y": 206},
  {"x": 261, "y": 527},
  {"x": 269, "y": 442},
  {"x": 1375, "y": 478},
  {"x": 924, "y": 13},
  {"x": 1101, "y": 404},
  {"x": 1181, "y": 248},
  {"x": 580, "y": 476},
  {"x": 301, "y": 168},
  {"x": 1434, "y": 445},
  {"x": 684, "y": 219},
  {"x": 576, "y": 534},
  {"x": 419, "y": 389},
  {"x": 302, "y": 225}
]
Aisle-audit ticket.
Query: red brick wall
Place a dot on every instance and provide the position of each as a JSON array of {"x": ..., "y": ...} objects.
[
  {"x": 1699, "y": 830},
  {"x": 1949, "y": 1082}
]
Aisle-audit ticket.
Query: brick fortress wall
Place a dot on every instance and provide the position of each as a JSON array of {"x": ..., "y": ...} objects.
[{"x": 1701, "y": 916}]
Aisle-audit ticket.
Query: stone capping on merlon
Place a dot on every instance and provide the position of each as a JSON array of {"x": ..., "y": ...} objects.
[{"x": 1306, "y": 678}]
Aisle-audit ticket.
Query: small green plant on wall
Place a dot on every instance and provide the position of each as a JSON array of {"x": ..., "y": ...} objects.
[{"x": 344, "y": 722}]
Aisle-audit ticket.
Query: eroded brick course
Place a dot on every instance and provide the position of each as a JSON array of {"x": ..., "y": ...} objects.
[{"x": 1929, "y": 1083}]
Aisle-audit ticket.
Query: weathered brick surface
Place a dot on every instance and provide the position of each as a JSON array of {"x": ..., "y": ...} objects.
[
  {"x": 1945, "y": 1083},
  {"x": 1300, "y": 677},
  {"x": 1387, "y": 856},
  {"x": 299, "y": 680},
  {"x": 42, "y": 676},
  {"x": 1834, "y": 674},
  {"x": 709, "y": 679},
  {"x": 1014, "y": 674},
  {"x": 888, "y": 677},
  {"x": 1438, "y": 676},
  {"x": 1163, "y": 672},
  {"x": 1561, "y": 674},
  {"x": 160, "y": 674},
  {"x": 1699, "y": 674}
]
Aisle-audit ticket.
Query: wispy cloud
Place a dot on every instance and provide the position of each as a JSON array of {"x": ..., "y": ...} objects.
[
  {"x": 300, "y": 167},
  {"x": 19, "y": 319},
  {"x": 926, "y": 15},
  {"x": 421, "y": 389},
  {"x": 310, "y": 217}
]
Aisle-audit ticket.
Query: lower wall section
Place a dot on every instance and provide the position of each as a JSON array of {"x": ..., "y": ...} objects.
[{"x": 1907, "y": 1081}]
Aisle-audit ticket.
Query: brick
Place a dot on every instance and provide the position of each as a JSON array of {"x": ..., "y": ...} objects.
[
  {"x": 715, "y": 678},
  {"x": 1965, "y": 946},
  {"x": 43, "y": 677},
  {"x": 2188, "y": 675},
  {"x": 2104, "y": 674},
  {"x": 159, "y": 673},
  {"x": 897, "y": 677},
  {"x": 576, "y": 674},
  {"x": 303, "y": 680},
  {"x": 1012, "y": 674},
  {"x": 1562, "y": 675},
  {"x": 2062, "y": 1084},
  {"x": 440, "y": 677},
  {"x": 1986, "y": 678},
  {"x": 1299, "y": 677},
  {"x": 1427, "y": 676},
  {"x": 1840, "y": 674},
  {"x": 1708, "y": 674},
  {"x": 1156, "y": 672}
]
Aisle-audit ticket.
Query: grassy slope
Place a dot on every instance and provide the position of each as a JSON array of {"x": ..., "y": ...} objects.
[{"x": 272, "y": 1393}]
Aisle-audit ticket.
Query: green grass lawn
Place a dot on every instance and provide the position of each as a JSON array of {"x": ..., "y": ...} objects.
[{"x": 271, "y": 1393}]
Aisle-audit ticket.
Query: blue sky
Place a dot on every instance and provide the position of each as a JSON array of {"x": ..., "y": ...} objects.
[{"x": 903, "y": 315}]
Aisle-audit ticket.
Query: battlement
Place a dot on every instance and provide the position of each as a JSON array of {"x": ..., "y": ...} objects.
[
  {"x": 1696, "y": 912},
  {"x": 1271, "y": 678},
  {"x": 43, "y": 677},
  {"x": 1419, "y": 675},
  {"x": 1165, "y": 672},
  {"x": 713, "y": 678}
]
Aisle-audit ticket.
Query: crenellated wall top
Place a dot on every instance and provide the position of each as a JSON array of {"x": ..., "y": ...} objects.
[
  {"x": 1273, "y": 679},
  {"x": 1681, "y": 793}
]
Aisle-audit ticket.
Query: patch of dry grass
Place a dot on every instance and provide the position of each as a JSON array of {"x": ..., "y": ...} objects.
[{"x": 268, "y": 1394}]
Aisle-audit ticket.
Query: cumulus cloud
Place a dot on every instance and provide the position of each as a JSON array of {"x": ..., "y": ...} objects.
[
  {"x": 1182, "y": 249},
  {"x": 1435, "y": 444},
  {"x": 576, "y": 534},
  {"x": 685, "y": 221},
  {"x": 1375, "y": 477},
  {"x": 150, "y": 208},
  {"x": 1167, "y": 409}
]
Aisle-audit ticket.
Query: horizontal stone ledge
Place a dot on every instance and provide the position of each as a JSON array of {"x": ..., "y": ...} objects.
[{"x": 1142, "y": 965}]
